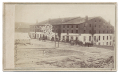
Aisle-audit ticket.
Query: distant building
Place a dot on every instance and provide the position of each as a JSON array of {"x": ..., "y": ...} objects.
[{"x": 83, "y": 29}]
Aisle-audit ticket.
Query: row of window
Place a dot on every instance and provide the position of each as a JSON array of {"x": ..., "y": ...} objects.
[
  {"x": 72, "y": 31},
  {"x": 77, "y": 26},
  {"x": 99, "y": 38}
]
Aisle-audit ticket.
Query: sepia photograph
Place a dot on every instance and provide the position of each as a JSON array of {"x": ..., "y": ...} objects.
[{"x": 60, "y": 36}]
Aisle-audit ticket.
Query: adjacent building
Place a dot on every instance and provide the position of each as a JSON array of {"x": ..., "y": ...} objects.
[{"x": 85, "y": 29}]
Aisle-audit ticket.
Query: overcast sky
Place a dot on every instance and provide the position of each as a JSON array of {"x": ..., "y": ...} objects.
[{"x": 31, "y": 13}]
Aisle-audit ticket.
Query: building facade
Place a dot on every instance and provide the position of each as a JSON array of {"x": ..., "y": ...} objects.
[{"x": 86, "y": 29}]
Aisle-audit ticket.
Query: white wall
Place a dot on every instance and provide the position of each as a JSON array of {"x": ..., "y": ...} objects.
[{"x": 101, "y": 41}]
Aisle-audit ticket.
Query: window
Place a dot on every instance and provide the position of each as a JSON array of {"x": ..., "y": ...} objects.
[
  {"x": 95, "y": 25},
  {"x": 84, "y": 38},
  {"x": 67, "y": 30},
  {"x": 107, "y": 43},
  {"x": 37, "y": 35},
  {"x": 103, "y": 37},
  {"x": 107, "y": 37},
  {"x": 63, "y": 37},
  {"x": 95, "y": 20},
  {"x": 63, "y": 31},
  {"x": 110, "y": 43},
  {"x": 94, "y": 38},
  {"x": 107, "y": 31},
  {"x": 63, "y": 26},
  {"x": 52, "y": 30},
  {"x": 99, "y": 37},
  {"x": 110, "y": 31},
  {"x": 107, "y": 26},
  {"x": 84, "y": 25},
  {"x": 99, "y": 43},
  {"x": 90, "y": 25},
  {"x": 103, "y": 31},
  {"x": 89, "y": 38},
  {"x": 76, "y": 31},
  {"x": 110, "y": 37},
  {"x": 72, "y": 26},
  {"x": 99, "y": 26},
  {"x": 76, "y": 26},
  {"x": 99, "y": 31},
  {"x": 72, "y": 31},
  {"x": 90, "y": 31},
  {"x": 67, "y": 26},
  {"x": 84, "y": 31}
]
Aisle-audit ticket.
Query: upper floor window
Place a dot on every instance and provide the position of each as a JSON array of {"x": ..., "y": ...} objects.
[
  {"x": 84, "y": 25},
  {"x": 95, "y": 25},
  {"x": 72, "y": 26},
  {"x": 84, "y": 31},
  {"x": 99, "y": 31},
  {"x": 67, "y": 26},
  {"x": 52, "y": 30},
  {"x": 63, "y": 31},
  {"x": 103, "y": 31},
  {"x": 63, "y": 26},
  {"x": 90, "y": 25},
  {"x": 76, "y": 31},
  {"x": 90, "y": 31},
  {"x": 107, "y": 37},
  {"x": 72, "y": 31},
  {"x": 99, "y": 21},
  {"x": 94, "y": 31},
  {"x": 76, "y": 26}
]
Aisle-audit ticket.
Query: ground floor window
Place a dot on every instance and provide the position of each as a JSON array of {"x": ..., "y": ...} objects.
[
  {"x": 107, "y": 43},
  {"x": 110, "y": 37},
  {"x": 99, "y": 43},
  {"x": 99, "y": 37},
  {"x": 94, "y": 38},
  {"x": 37, "y": 35},
  {"x": 103, "y": 37},
  {"x": 84, "y": 38},
  {"x": 89, "y": 38},
  {"x": 76, "y": 31}
]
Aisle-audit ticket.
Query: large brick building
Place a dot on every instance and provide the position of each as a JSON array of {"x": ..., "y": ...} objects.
[{"x": 84, "y": 29}]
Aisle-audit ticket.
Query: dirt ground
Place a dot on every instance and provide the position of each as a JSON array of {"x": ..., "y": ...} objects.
[{"x": 44, "y": 55}]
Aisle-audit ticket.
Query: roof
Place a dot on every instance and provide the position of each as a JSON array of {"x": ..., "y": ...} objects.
[
  {"x": 69, "y": 20},
  {"x": 56, "y": 21}
]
